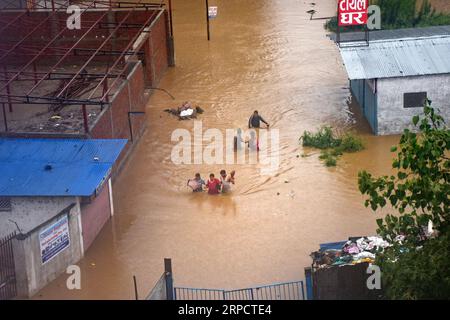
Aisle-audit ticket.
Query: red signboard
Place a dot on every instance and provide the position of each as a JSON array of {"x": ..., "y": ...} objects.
[{"x": 352, "y": 12}]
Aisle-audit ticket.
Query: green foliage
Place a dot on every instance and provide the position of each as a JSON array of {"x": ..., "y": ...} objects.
[
  {"x": 422, "y": 273},
  {"x": 419, "y": 191},
  {"x": 407, "y": 14},
  {"x": 396, "y": 14},
  {"x": 322, "y": 139},
  {"x": 350, "y": 143},
  {"x": 329, "y": 158},
  {"x": 332, "y": 146}
]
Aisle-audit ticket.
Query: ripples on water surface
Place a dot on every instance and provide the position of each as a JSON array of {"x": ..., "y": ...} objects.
[{"x": 265, "y": 55}]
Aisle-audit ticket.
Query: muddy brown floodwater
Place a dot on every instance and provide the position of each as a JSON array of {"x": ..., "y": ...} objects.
[{"x": 265, "y": 55}]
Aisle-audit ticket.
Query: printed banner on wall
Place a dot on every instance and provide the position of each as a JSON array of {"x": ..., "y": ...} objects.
[
  {"x": 54, "y": 239},
  {"x": 352, "y": 12}
]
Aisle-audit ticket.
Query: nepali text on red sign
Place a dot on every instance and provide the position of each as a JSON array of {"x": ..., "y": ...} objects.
[{"x": 352, "y": 12}]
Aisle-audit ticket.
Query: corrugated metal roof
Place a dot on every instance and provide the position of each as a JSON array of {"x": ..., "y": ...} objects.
[
  {"x": 398, "y": 58},
  {"x": 78, "y": 166},
  {"x": 404, "y": 33}
]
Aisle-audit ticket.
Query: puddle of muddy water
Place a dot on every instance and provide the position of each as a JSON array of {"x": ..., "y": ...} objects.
[{"x": 265, "y": 55}]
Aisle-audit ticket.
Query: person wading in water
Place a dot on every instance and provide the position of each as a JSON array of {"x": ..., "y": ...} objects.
[
  {"x": 197, "y": 183},
  {"x": 255, "y": 120},
  {"x": 213, "y": 185}
]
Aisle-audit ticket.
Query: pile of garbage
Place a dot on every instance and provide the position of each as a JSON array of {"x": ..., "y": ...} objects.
[
  {"x": 185, "y": 111},
  {"x": 354, "y": 251},
  {"x": 364, "y": 249}
]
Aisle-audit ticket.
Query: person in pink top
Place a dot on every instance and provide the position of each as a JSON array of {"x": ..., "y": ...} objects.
[{"x": 213, "y": 184}]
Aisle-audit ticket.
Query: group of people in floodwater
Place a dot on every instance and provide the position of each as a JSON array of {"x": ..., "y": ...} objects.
[
  {"x": 216, "y": 186},
  {"x": 213, "y": 185}
]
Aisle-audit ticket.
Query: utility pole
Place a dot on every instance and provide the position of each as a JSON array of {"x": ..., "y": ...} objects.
[
  {"x": 171, "y": 45},
  {"x": 207, "y": 19}
]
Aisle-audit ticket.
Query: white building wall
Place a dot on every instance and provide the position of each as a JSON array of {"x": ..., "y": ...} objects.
[
  {"x": 31, "y": 273},
  {"x": 30, "y": 212},
  {"x": 393, "y": 117}
]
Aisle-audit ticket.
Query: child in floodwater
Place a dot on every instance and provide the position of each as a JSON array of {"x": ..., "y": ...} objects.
[{"x": 213, "y": 185}]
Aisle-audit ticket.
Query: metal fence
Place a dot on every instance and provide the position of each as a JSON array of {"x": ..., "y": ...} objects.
[
  {"x": 198, "y": 294},
  {"x": 8, "y": 289},
  {"x": 279, "y": 291}
]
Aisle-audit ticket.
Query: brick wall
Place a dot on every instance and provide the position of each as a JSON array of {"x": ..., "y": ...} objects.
[
  {"x": 94, "y": 215},
  {"x": 113, "y": 122},
  {"x": 159, "y": 49}
]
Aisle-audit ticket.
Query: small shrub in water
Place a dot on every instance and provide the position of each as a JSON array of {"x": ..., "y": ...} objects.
[
  {"x": 328, "y": 158},
  {"x": 323, "y": 139},
  {"x": 332, "y": 147},
  {"x": 330, "y": 162},
  {"x": 351, "y": 143}
]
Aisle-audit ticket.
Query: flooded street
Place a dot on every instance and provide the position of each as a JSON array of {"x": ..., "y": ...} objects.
[{"x": 265, "y": 55}]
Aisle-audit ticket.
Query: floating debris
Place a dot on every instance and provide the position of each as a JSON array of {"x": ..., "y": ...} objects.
[{"x": 186, "y": 111}]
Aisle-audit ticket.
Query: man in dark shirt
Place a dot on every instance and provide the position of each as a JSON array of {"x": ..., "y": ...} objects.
[{"x": 255, "y": 120}]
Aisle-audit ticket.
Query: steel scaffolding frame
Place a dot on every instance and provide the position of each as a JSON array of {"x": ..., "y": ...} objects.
[{"x": 37, "y": 51}]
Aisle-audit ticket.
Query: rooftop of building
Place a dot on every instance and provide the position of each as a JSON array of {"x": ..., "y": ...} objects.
[
  {"x": 397, "y": 53},
  {"x": 56, "y": 167}
]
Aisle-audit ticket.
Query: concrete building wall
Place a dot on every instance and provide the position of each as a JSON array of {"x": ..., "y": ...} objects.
[
  {"x": 392, "y": 116},
  {"x": 30, "y": 212},
  {"x": 31, "y": 274},
  {"x": 33, "y": 215}
]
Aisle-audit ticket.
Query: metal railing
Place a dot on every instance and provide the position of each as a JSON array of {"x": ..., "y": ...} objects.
[
  {"x": 198, "y": 294},
  {"x": 278, "y": 291}
]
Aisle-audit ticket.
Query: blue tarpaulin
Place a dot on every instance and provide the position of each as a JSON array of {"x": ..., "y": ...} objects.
[
  {"x": 56, "y": 167},
  {"x": 332, "y": 245}
]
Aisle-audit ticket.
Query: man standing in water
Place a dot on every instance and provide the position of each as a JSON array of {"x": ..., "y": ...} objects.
[
  {"x": 197, "y": 183},
  {"x": 255, "y": 120},
  {"x": 230, "y": 179},
  {"x": 226, "y": 180},
  {"x": 213, "y": 185}
]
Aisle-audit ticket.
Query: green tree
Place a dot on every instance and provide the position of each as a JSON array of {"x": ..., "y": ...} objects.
[
  {"x": 408, "y": 14},
  {"x": 419, "y": 192}
]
